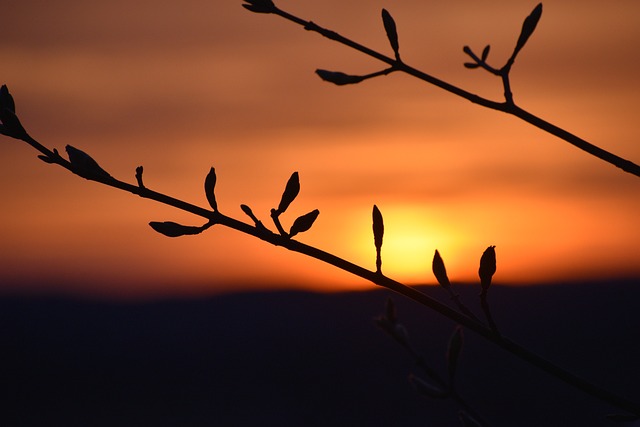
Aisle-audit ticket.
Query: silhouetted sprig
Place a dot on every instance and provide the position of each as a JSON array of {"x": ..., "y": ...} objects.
[
  {"x": 528, "y": 27},
  {"x": 440, "y": 272},
  {"x": 83, "y": 165},
  {"x": 302, "y": 223},
  {"x": 396, "y": 64},
  {"x": 431, "y": 384},
  {"x": 378, "y": 234}
]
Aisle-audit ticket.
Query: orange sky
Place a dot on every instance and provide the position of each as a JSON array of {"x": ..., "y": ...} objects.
[{"x": 181, "y": 87}]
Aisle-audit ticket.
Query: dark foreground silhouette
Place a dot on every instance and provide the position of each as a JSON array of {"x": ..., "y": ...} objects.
[{"x": 302, "y": 359}]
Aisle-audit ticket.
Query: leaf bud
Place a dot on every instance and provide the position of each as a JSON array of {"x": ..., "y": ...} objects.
[
  {"x": 487, "y": 268},
  {"x": 339, "y": 78},
  {"x": 291, "y": 191},
  {"x": 173, "y": 229},
  {"x": 440, "y": 271},
  {"x": 303, "y": 223},
  {"x": 209, "y": 189},
  {"x": 84, "y": 165}
]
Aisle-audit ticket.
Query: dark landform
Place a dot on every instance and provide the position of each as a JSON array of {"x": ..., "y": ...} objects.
[{"x": 307, "y": 359}]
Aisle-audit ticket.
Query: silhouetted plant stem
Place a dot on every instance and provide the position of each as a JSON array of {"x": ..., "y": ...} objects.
[
  {"x": 508, "y": 106},
  {"x": 487, "y": 313},
  {"x": 86, "y": 167},
  {"x": 463, "y": 308},
  {"x": 376, "y": 277},
  {"x": 437, "y": 387}
]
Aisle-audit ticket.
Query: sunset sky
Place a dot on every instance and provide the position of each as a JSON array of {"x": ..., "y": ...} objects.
[{"x": 179, "y": 87}]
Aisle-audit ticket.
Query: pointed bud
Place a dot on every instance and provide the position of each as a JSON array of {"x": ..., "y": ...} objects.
[
  {"x": 303, "y": 223},
  {"x": 378, "y": 227},
  {"x": 392, "y": 32},
  {"x": 440, "y": 271},
  {"x": 487, "y": 268},
  {"x": 339, "y": 78},
  {"x": 259, "y": 6},
  {"x": 11, "y": 125},
  {"x": 6, "y": 100},
  {"x": 485, "y": 53},
  {"x": 378, "y": 233},
  {"x": 290, "y": 193},
  {"x": 173, "y": 229},
  {"x": 209, "y": 189},
  {"x": 139, "y": 171},
  {"x": 247, "y": 210},
  {"x": 528, "y": 27},
  {"x": 84, "y": 165}
]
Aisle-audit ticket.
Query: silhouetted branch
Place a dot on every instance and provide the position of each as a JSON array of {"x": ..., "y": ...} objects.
[
  {"x": 376, "y": 277},
  {"x": 440, "y": 272},
  {"x": 139, "y": 171},
  {"x": 507, "y": 106},
  {"x": 378, "y": 234},
  {"x": 83, "y": 165},
  {"x": 435, "y": 387}
]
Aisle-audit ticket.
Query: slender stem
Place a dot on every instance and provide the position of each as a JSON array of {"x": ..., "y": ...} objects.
[
  {"x": 507, "y": 107},
  {"x": 440, "y": 382},
  {"x": 574, "y": 140},
  {"x": 487, "y": 312},
  {"x": 463, "y": 308},
  {"x": 376, "y": 277}
]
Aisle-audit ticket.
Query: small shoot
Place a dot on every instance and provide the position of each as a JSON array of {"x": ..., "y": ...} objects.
[
  {"x": 259, "y": 6},
  {"x": 50, "y": 159},
  {"x": 303, "y": 223},
  {"x": 11, "y": 125},
  {"x": 487, "y": 269},
  {"x": 85, "y": 166},
  {"x": 139, "y": 171},
  {"x": 439, "y": 270},
  {"x": 291, "y": 191},
  {"x": 209, "y": 189},
  {"x": 339, "y": 78},
  {"x": 6, "y": 100},
  {"x": 388, "y": 322},
  {"x": 173, "y": 229},
  {"x": 378, "y": 233},
  {"x": 528, "y": 27},
  {"x": 258, "y": 224},
  {"x": 479, "y": 61},
  {"x": 392, "y": 32}
]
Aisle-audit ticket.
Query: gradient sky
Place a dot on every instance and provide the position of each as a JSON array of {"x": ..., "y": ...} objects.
[{"x": 179, "y": 87}]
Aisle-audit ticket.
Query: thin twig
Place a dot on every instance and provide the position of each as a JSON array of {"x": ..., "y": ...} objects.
[
  {"x": 508, "y": 106},
  {"x": 376, "y": 277}
]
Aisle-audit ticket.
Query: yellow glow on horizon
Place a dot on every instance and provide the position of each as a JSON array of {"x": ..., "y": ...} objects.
[
  {"x": 446, "y": 174},
  {"x": 410, "y": 239}
]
